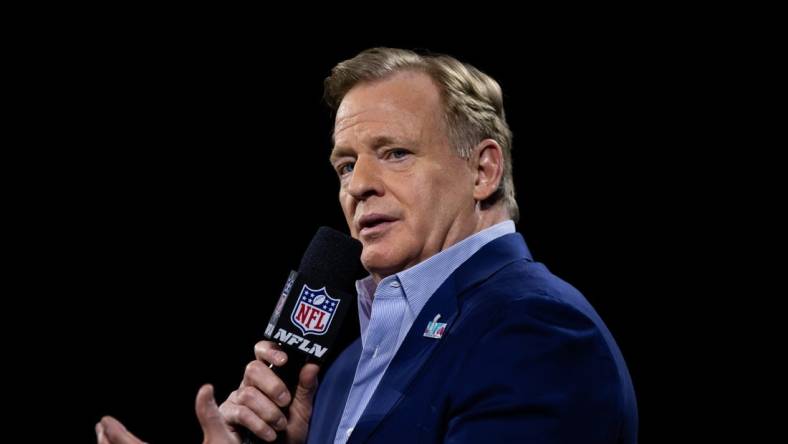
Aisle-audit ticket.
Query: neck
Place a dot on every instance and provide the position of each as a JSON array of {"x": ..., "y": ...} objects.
[{"x": 489, "y": 217}]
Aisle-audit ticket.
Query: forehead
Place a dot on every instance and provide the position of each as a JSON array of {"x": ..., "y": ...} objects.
[{"x": 406, "y": 104}]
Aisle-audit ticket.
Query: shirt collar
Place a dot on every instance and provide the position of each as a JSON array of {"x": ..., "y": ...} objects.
[{"x": 420, "y": 281}]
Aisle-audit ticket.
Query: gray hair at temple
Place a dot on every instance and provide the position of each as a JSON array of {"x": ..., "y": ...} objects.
[{"x": 472, "y": 102}]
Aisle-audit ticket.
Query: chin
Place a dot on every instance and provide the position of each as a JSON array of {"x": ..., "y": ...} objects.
[{"x": 381, "y": 260}]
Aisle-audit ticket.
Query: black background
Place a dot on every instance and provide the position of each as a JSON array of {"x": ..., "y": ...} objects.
[{"x": 191, "y": 172}]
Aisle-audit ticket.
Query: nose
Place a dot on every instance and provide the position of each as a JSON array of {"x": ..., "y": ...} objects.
[{"x": 365, "y": 181}]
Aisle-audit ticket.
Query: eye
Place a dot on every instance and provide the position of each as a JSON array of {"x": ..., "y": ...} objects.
[
  {"x": 345, "y": 168},
  {"x": 397, "y": 153}
]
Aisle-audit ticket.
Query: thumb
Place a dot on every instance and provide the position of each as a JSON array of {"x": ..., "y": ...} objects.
[
  {"x": 213, "y": 428},
  {"x": 307, "y": 385}
]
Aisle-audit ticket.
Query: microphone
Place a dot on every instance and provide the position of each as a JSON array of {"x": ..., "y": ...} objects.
[{"x": 313, "y": 304}]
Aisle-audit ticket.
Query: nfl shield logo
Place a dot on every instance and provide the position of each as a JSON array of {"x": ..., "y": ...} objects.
[{"x": 313, "y": 311}]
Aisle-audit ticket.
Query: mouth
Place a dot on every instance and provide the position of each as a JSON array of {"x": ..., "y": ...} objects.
[{"x": 374, "y": 224}]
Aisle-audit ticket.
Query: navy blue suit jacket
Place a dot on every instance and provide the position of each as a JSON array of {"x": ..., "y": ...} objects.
[{"x": 524, "y": 358}]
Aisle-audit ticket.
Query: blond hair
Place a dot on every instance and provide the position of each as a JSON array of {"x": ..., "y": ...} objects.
[{"x": 472, "y": 102}]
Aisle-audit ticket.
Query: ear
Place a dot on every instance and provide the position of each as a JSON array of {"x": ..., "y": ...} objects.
[{"x": 488, "y": 162}]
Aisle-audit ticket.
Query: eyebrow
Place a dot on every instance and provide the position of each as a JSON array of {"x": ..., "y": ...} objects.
[
  {"x": 377, "y": 142},
  {"x": 339, "y": 151}
]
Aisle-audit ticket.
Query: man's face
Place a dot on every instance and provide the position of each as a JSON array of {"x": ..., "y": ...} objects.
[{"x": 405, "y": 194}]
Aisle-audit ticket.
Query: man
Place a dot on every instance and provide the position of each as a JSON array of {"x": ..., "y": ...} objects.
[{"x": 464, "y": 338}]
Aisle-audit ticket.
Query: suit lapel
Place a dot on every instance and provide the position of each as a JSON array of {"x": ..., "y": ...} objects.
[{"x": 416, "y": 348}]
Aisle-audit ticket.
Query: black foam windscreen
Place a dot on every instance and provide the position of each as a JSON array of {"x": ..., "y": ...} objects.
[{"x": 333, "y": 259}]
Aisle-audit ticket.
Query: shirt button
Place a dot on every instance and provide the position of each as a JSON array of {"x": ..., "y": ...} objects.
[
  {"x": 395, "y": 284},
  {"x": 348, "y": 432}
]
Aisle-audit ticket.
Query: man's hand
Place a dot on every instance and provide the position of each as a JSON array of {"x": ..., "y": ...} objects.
[
  {"x": 214, "y": 429},
  {"x": 257, "y": 403},
  {"x": 110, "y": 431}
]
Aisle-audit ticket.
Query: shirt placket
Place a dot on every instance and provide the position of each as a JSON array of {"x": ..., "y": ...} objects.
[{"x": 388, "y": 311}]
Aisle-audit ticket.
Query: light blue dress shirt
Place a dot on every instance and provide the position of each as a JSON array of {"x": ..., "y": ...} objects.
[{"x": 387, "y": 317}]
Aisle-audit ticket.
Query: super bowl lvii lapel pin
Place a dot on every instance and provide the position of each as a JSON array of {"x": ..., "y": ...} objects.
[{"x": 435, "y": 329}]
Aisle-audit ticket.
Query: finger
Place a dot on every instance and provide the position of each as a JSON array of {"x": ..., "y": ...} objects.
[
  {"x": 258, "y": 375},
  {"x": 101, "y": 438},
  {"x": 270, "y": 353},
  {"x": 211, "y": 420},
  {"x": 116, "y": 433},
  {"x": 243, "y": 416},
  {"x": 263, "y": 407},
  {"x": 301, "y": 408},
  {"x": 307, "y": 383},
  {"x": 305, "y": 393}
]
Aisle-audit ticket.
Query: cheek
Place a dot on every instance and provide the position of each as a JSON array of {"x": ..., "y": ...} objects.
[
  {"x": 423, "y": 212},
  {"x": 436, "y": 203},
  {"x": 346, "y": 202}
]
